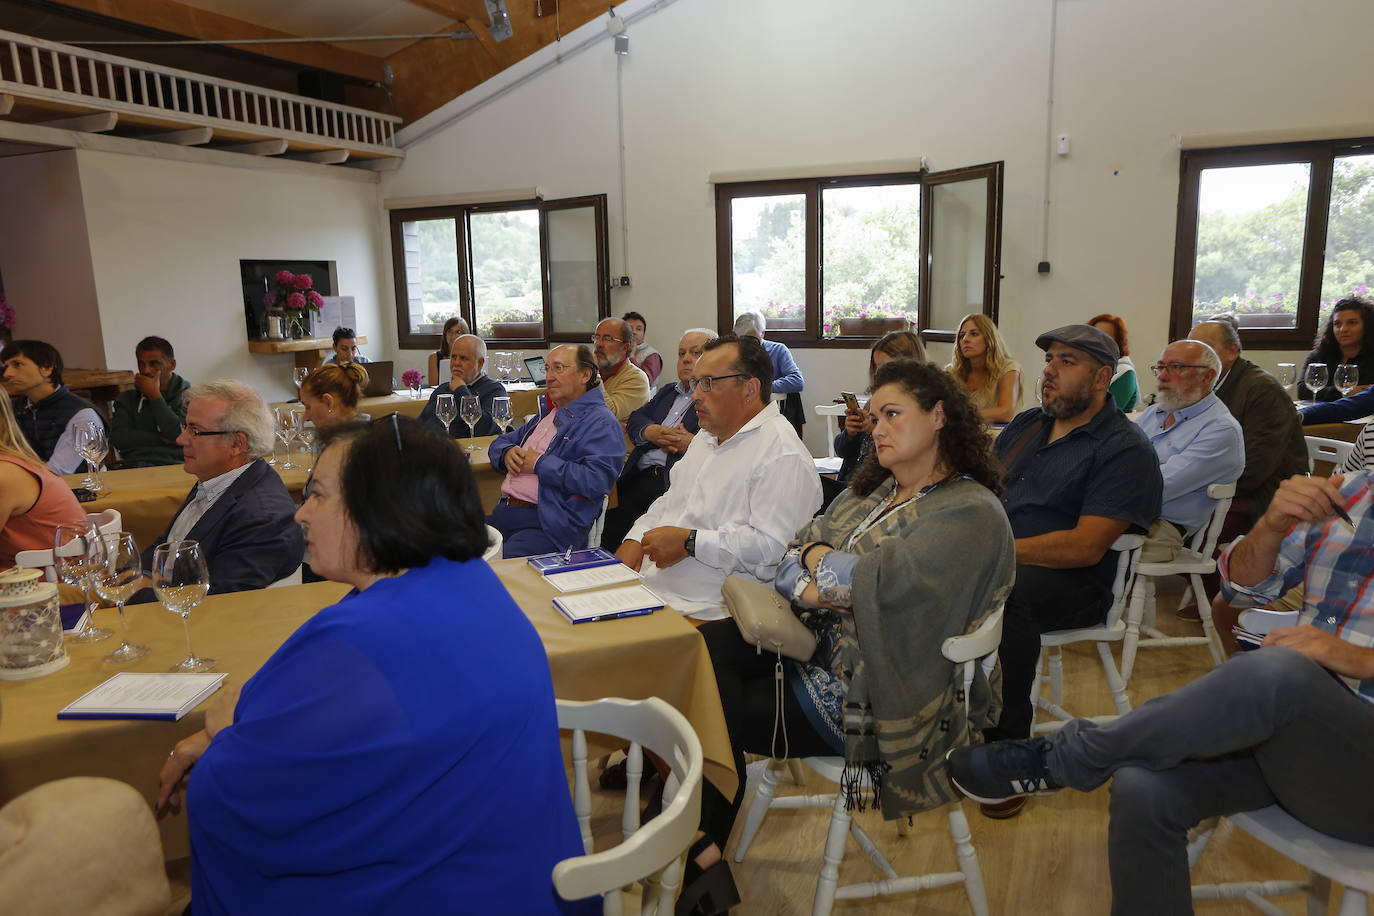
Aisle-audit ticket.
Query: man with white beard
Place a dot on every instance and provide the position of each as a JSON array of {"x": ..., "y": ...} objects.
[{"x": 1198, "y": 442}]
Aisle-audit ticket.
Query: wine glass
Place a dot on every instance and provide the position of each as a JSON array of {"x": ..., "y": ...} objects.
[
  {"x": 117, "y": 576},
  {"x": 470, "y": 409},
  {"x": 298, "y": 376},
  {"x": 1347, "y": 377},
  {"x": 1288, "y": 375},
  {"x": 92, "y": 444},
  {"x": 1315, "y": 379},
  {"x": 287, "y": 425},
  {"x": 447, "y": 411},
  {"x": 501, "y": 412},
  {"x": 517, "y": 364},
  {"x": 181, "y": 580},
  {"x": 306, "y": 435},
  {"x": 75, "y": 550}
]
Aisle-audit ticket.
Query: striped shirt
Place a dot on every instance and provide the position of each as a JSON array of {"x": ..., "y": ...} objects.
[
  {"x": 1335, "y": 567},
  {"x": 1362, "y": 455}
]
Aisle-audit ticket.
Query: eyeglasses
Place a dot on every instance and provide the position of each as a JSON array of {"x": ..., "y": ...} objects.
[
  {"x": 395, "y": 419},
  {"x": 206, "y": 432},
  {"x": 1172, "y": 368},
  {"x": 607, "y": 338},
  {"x": 707, "y": 382}
]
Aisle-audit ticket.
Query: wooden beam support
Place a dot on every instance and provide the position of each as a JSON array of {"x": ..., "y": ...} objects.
[
  {"x": 193, "y": 136},
  {"x": 90, "y": 124},
  {"x": 382, "y": 164},
  {"x": 262, "y": 148},
  {"x": 193, "y": 22},
  {"x": 324, "y": 156},
  {"x": 6, "y": 104}
]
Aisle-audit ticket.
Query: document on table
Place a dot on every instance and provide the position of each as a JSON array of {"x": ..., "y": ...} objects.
[
  {"x": 130, "y": 695},
  {"x": 595, "y": 577},
  {"x": 610, "y": 604}
]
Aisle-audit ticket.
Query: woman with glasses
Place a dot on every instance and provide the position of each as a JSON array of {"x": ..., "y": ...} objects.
[
  {"x": 330, "y": 394},
  {"x": 33, "y": 500},
  {"x": 1125, "y": 387},
  {"x": 917, "y": 550},
  {"x": 981, "y": 362},
  {"x": 376, "y": 762},
  {"x": 561, "y": 465}
]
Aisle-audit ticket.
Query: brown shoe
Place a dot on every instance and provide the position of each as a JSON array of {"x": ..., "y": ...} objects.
[
  {"x": 1189, "y": 613},
  {"x": 1004, "y": 809}
]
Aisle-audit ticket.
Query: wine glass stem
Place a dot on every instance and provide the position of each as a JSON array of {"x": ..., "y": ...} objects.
[
  {"x": 472, "y": 434},
  {"x": 90, "y": 605},
  {"x": 186, "y": 622},
  {"x": 123, "y": 625}
]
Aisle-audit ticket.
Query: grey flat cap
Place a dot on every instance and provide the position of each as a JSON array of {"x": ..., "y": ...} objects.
[{"x": 1084, "y": 337}]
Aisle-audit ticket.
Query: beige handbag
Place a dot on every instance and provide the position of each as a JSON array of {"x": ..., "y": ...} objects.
[{"x": 766, "y": 620}]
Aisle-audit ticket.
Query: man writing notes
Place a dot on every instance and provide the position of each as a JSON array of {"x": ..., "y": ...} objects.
[
  {"x": 1078, "y": 475},
  {"x": 1197, "y": 440},
  {"x": 624, "y": 384},
  {"x": 467, "y": 376},
  {"x": 660, "y": 432},
  {"x": 147, "y": 418},
  {"x": 739, "y": 494}
]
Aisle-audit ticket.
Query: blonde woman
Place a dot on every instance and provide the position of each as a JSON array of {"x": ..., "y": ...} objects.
[
  {"x": 982, "y": 363},
  {"x": 330, "y": 394},
  {"x": 33, "y": 500}
]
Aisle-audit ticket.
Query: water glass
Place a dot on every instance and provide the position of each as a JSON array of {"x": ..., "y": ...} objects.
[
  {"x": 1347, "y": 378},
  {"x": 117, "y": 576},
  {"x": 181, "y": 580},
  {"x": 75, "y": 550},
  {"x": 1316, "y": 377},
  {"x": 470, "y": 409}
]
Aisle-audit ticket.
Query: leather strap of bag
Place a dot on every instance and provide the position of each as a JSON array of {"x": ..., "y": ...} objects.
[{"x": 1010, "y": 458}]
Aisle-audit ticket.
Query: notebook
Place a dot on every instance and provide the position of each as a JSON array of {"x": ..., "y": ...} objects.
[
  {"x": 571, "y": 560},
  {"x": 612, "y": 604},
  {"x": 130, "y": 695}
]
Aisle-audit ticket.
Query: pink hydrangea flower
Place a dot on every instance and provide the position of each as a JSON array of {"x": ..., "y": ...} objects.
[
  {"x": 269, "y": 298},
  {"x": 303, "y": 281},
  {"x": 7, "y": 316},
  {"x": 411, "y": 378},
  {"x": 295, "y": 301},
  {"x": 284, "y": 277},
  {"x": 315, "y": 298}
]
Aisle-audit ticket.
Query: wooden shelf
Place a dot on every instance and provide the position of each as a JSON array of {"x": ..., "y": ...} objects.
[{"x": 310, "y": 352}]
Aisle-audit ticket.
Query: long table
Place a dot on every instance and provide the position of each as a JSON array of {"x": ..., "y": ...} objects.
[{"x": 656, "y": 655}]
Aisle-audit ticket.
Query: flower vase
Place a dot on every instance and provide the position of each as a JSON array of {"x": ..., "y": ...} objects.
[
  {"x": 277, "y": 328},
  {"x": 297, "y": 322},
  {"x": 415, "y": 394}
]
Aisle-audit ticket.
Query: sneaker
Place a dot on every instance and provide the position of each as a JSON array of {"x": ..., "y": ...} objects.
[{"x": 992, "y": 773}]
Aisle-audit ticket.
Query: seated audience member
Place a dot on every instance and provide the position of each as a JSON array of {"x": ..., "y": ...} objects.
[
  {"x": 981, "y": 362},
  {"x": 561, "y": 465},
  {"x": 346, "y": 347},
  {"x": 330, "y": 394},
  {"x": 33, "y": 500},
  {"x": 624, "y": 385},
  {"x": 644, "y": 356},
  {"x": 744, "y": 487},
  {"x": 1125, "y": 386},
  {"x": 1358, "y": 404},
  {"x": 787, "y": 377},
  {"x": 453, "y": 329},
  {"x": 1280, "y": 725},
  {"x": 1342, "y": 340},
  {"x": 239, "y": 510},
  {"x": 916, "y": 551},
  {"x": 660, "y": 432},
  {"x": 1274, "y": 447},
  {"x": 467, "y": 376},
  {"x": 854, "y": 441},
  {"x": 1078, "y": 475},
  {"x": 336, "y": 780},
  {"x": 47, "y": 412},
  {"x": 147, "y": 418},
  {"x": 1197, "y": 440}
]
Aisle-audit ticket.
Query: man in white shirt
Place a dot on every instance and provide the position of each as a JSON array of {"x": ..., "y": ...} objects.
[{"x": 739, "y": 494}]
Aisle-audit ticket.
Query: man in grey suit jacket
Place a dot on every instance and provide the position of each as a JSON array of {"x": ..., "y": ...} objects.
[{"x": 239, "y": 510}]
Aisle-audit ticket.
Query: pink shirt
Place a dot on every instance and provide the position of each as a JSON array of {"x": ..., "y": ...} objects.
[
  {"x": 526, "y": 486},
  {"x": 33, "y": 530}
]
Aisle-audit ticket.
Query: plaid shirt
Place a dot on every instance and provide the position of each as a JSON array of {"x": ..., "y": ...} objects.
[{"x": 1335, "y": 567}]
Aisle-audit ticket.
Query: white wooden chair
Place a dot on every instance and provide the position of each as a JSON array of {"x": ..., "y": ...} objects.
[
  {"x": 964, "y": 650},
  {"x": 1197, "y": 560},
  {"x": 108, "y": 521},
  {"x": 494, "y": 542},
  {"x": 594, "y": 533},
  {"x": 1111, "y": 630},
  {"x": 294, "y": 578},
  {"x": 1333, "y": 451},
  {"x": 655, "y": 848},
  {"x": 1327, "y": 859}
]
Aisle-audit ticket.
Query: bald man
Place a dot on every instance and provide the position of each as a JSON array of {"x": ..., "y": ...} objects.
[{"x": 467, "y": 370}]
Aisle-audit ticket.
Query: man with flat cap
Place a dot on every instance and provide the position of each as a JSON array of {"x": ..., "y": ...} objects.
[{"x": 1078, "y": 475}]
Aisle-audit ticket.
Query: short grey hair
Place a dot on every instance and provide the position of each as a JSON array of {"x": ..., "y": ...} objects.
[
  {"x": 1229, "y": 328},
  {"x": 1208, "y": 357},
  {"x": 481, "y": 344},
  {"x": 245, "y": 414},
  {"x": 707, "y": 331},
  {"x": 751, "y": 320}
]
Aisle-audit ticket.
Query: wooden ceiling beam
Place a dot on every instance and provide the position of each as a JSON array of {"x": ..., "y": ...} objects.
[{"x": 180, "y": 19}]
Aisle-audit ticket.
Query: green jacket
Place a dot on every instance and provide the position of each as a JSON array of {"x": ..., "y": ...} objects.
[
  {"x": 144, "y": 432},
  {"x": 1274, "y": 446}
]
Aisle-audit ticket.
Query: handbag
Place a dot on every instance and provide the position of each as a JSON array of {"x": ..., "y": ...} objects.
[{"x": 765, "y": 620}]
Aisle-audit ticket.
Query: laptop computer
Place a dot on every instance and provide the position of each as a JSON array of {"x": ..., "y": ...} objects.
[
  {"x": 379, "y": 375},
  {"x": 534, "y": 365}
]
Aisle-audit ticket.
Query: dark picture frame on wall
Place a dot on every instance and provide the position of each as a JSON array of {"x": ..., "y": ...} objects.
[{"x": 256, "y": 277}]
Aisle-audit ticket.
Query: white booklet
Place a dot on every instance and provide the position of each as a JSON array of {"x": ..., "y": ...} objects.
[
  {"x": 592, "y": 577},
  {"x": 611, "y": 604},
  {"x": 130, "y": 695}
]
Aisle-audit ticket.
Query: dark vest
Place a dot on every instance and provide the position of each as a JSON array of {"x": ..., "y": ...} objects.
[{"x": 44, "y": 422}]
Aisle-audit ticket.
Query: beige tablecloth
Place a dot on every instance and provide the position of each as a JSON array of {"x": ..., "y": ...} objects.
[{"x": 656, "y": 655}]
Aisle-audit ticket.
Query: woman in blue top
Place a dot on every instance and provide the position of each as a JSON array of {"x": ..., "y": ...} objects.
[{"x": 399, "y": 753}]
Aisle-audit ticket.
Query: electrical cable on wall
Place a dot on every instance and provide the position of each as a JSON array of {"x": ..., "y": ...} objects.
[
  {"x": 620, "y": 125},
  {"x": 1049, "y": 136}
]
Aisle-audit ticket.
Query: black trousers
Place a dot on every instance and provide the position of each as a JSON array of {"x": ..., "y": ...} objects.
[
  {"x": 635, "y": 492},
  {"x": 745, "y": 679},
  {"x": 1043, "y": 599}
]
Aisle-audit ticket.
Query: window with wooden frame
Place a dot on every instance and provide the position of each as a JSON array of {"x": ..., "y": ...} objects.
[
  {"x": 1275, "y": 235},
  {"x": 840, "y": 261},
  {"x": 521, "y": 272}
]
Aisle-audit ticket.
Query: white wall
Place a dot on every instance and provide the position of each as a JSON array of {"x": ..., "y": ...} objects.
[
  {"x": 715, "y": 85},
  {"x": 166, "y": 238}
]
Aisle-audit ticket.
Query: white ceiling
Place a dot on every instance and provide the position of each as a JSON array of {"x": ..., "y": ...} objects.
[{"x": 327, "y": 18}]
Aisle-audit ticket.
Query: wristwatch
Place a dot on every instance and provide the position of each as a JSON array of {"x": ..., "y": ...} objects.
[{"x": 690, "y": 545}]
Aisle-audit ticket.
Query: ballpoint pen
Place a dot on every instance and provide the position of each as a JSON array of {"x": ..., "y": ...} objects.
[{"x": 1341, "y": 513}]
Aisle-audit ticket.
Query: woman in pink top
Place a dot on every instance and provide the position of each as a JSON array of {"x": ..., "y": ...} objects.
[{"x": 33, "y": 500}]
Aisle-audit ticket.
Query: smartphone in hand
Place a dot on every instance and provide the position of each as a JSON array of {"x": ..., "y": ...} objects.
[{"x": 850, "y": 401}]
